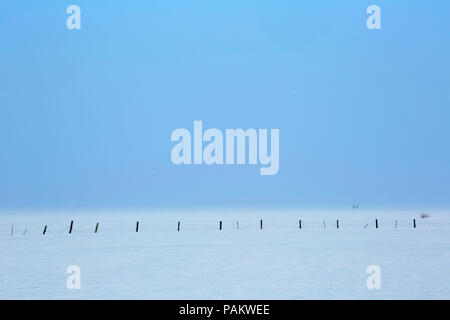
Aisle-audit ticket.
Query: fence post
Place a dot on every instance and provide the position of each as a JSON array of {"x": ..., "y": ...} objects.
[
  {"x": 299, "y": 224},
  {"x": 414, "y": 223},
  {"x": 71, "y": 226},
  {"x": 96, "y": 228},
  {"x": 261, "y": 224},
  {"x": 178, "y": 228},
  {"x": 137, "y": 226},
  {"x": 376, "y": 223},
  {"x": 237, "y": 225},
  {"x": 45, "y": 230},
  {"x": 220, "y": 225},
  {"x": 337, "y": 224}
]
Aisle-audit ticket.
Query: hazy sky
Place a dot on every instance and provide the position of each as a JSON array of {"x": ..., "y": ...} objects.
[{"x": 86, "y": 115}]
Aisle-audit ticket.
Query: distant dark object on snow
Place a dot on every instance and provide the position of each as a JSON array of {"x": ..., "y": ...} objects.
[
  {"x": 424, "y": 215},
  {"x": 356, "y": 206}
]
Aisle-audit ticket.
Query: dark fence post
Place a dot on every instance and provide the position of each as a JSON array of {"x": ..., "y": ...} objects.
[
  {"x": 414, "y": 223},
  {"x": 337, "y": 224},
  {"x": 299, "y": 224},
  {"x": 260, "y": 224},
  {"x": 376, "y": 223},
  {"x": 178, "y": 229},
  {"x": 220, "y": 225},
  {"x": 96, "y": 228},
  {"x": 71, "y": 226},
  {"x": 45, "y": 230},
  {"x": 137, "y": 226}
]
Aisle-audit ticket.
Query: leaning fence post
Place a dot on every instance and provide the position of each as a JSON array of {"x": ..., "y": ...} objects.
[
  {"x": 137, "y": 226},
  {"x": 45, "y": 230},
  {"x": 96, "y": 228},
  {"x": 71, "y": 226}
]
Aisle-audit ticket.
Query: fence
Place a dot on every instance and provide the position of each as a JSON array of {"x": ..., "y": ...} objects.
[{"x": 84, "y": 227}]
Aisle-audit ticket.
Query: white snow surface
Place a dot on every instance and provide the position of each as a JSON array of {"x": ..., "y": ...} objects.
[{"x": 201, "y": 262}]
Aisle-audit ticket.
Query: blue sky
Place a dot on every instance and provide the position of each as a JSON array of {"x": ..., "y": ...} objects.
[{"x": 86, "y": 115}]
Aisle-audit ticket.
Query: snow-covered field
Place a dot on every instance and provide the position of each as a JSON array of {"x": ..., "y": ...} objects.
[{"x": 201, "y": 262}]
